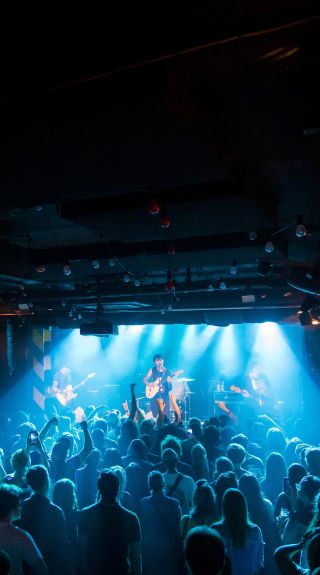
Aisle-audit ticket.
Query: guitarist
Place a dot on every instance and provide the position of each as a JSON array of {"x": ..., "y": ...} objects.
[{"x": 163, "y": 375}]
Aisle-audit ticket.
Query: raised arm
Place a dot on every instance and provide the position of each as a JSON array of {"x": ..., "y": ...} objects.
[
  {"x": 87, "y": 448},
  {"x": 146, "y": 379}
]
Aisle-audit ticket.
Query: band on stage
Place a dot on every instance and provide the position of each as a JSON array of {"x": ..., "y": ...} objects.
[{"x": 166, "y": 389}]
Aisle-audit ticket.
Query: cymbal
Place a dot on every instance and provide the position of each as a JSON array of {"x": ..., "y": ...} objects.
[{"x": 180, "y": 379}]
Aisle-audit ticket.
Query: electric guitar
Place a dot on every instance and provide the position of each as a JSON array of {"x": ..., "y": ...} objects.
[
  {"x": 157, "y": 385},
  {"x": 259, "y": 397},
  {"x": 64, "y": 396},
  {"x": 244, "y": 392}
]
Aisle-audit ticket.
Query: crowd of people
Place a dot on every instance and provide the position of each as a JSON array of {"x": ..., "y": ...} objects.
[{"x": 123, "y": 494}]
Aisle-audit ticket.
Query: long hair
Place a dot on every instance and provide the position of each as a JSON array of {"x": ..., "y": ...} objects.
[
  {"x": 250, "y": 487},
  {"x": 204, "y": 503},
  {"x": 235, "y": 516},
  {"x": 64, "y": 495}
]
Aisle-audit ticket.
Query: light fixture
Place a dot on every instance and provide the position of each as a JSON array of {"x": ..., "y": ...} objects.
[
  {"x": 170, "y": 306},
  {"x": 154, "y": 207},
  {"x": 165, "y": 221},
  {"x": 223, "y": 285},
  {"x": 67, "y": 269},
  {"x": 111, "y": 262},
  {"x": 170, "y": 283},
  {"x": 269, "y": 247},
  {"x": 95, "y": 264},
  {"x": 171, "y": 249},
  {"x": 126, "y": 278},
  {"x": 137, "y": 282},
  {"x": 210, "y": 287},
  {"x": 234, "y": 268},
  {"x": 301, "y": 230},
  {"x": 253, "y": 235},
  {"x": 41, "y": 269}
]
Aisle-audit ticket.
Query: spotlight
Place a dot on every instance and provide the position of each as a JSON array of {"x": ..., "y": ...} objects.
[
  {"x": 137, "y": 282},
  {"x": 79, "y": 316},
  {"x": 170, "y": 306},
  {"x": 66, "y": 270},
  {"x": 223, "y": 285},
  {"x": 165, "y": 221},
  {"x": 301, "y": 230},
  {"x": 95, "y": 264},
  {"x": 162, "y": 311},
  {"x": 171, "y": 249},
  {"x": 269, "y": 247},
  {"x": 154, "y": 207},
  {"x": 210, "y": 287},
  {"x": 253, "y": 235},
  {"x": 234, "y": 268},
  {"x": 126, "y": 278},
  {"x": 111, "y": 262},
  {"x": 40, "y": 269}
]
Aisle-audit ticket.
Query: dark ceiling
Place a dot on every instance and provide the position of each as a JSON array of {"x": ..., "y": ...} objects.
[{"x": 209, "y": 111}]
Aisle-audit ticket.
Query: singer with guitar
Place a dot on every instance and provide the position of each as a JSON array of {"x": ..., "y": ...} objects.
[{"x": 160, "y": 385}]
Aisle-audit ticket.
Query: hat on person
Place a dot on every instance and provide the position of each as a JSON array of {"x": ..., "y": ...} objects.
[{"x": 169, "y": 455}]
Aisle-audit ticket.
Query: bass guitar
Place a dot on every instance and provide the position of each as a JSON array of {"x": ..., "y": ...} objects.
[{"x": 157, "y": 385}]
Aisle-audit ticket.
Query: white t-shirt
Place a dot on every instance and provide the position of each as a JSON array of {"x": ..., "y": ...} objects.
[
  {"x": 19, "y": 545},
  {"x": 183, "y": 492}
]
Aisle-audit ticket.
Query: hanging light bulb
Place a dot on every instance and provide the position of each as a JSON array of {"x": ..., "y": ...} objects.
[
  {"x": 95, "y": 264},
  {"x": 301, "y": 230},
  {"x": 170, "y": 306},
  {"x": 223, "y": 285},
  {"x": 66, "y": 269},
  {"x": 234, "y": 268},
  {"x": 126, "y": 278},
  {"x": 137, "y": 282},
  {"x": 269, "y": 247},
  {"x": 210, "y": 287},
  {"x": 253, "y": 235},
  {"x": 41, "y": 269},
  {"x": 111, "y": 262}
]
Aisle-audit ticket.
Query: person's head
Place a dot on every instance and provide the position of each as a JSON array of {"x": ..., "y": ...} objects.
[
  {"x": 98, "y": 436},
  {"x": 235, "y": 516},
  {"x": 203, "y": 501},
  {"x": 158, "y": 360},
  {"x": 173, "y": 443},
  {"x": 20, "y": 461},
  {"x": 170, "y": 459},
  {"x": 276, "y": 440},
  {"x": 236, "y": 453},
  {"x": 5, "y": 563},
  {"x": 155, "y": 482},
  {"x": 93, "y": 459},
  {"x": 147, "y": 426},
  {"x": 101, "y": 424},
  {"x": 108, "y": 486},
  {"x": 196, "y": 427},
  {"x": 240, "y": 439},
  {"x": 10, "y": 506},
  {"x": 59, "y": 452},
  {"x": 290, "y": 454},
  {"x": 129, "y": 430},
  {"x": 113, "y": 420},
  {"x": 296, "y": 472},
  {"x": 276, "y": 468},
  {"x": 68, "y": 440},
  {"x": 38, "y": 479},
  {"x": 224, "y": 482},
  {"x": 211, "y": 435},
  {"x": 308, "y": 489},
  {"x": 204, "y": 551},
  {"x": 312, "y": 457},
  {"x": 138, "y": 449},
  {"x": 112, "y": 457},
  {"x": 122, "y": 476},
  {"x": 64, "y": 494},
  {"x": 222, "y": 465},
  {"x": 250, "y": 487}
]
